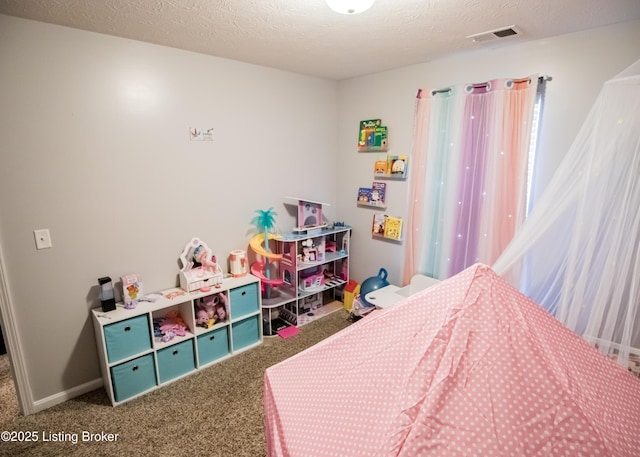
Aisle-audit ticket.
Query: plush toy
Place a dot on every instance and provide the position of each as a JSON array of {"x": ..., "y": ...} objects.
[
  {"x": 221, "y": 312},
  {"x": 202, "y": 318},
  {"x": 207, "y": 305},
  {"x": 206, "y": 309}
]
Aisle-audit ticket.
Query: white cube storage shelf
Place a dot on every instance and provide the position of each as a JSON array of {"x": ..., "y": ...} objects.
[{"x": 134, "y": 361}]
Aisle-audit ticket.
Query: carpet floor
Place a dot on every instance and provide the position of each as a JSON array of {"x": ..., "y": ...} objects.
[{"x": 214, "y": 412}]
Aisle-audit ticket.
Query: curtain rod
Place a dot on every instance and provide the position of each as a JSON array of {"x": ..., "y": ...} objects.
[{"x": 448, "y": 89}]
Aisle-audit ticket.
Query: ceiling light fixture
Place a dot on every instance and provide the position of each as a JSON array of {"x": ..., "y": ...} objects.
[{"x": 350, "y": 6}]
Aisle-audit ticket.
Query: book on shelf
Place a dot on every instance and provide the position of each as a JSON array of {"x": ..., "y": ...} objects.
[
  {"x": 378, "y": 193},
  {"x": 394, "y": 166},
  {"x": 380, "y": 168},
  {"x": 397, "y": 165},
  {"x": 377, "y": 228},
  {"x": 364, "y": 195},
  {"x": 393, "y": 227}
]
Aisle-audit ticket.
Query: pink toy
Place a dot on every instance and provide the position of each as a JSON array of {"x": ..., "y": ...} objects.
[
  {"x": 199, "y": 268},
  {"x": 202, "y": 318},
  {"x": 211, "y": 307},
  {"x": 201, "y": 259},
  {"x": 313, "y": 281},
  {"x": 172, "y": 325},
  {"x": 221, "y": 312}
]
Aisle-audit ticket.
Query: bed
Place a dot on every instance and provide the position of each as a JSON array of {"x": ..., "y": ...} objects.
[{"x": 467, "y": 367}]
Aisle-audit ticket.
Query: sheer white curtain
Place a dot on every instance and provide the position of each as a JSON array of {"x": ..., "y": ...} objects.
[{"x": 578, "y": 253}]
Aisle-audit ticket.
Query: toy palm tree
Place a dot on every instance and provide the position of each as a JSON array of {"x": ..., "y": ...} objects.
[{"x": 264, "y": 222}]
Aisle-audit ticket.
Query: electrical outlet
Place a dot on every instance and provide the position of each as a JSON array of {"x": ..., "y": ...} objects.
[{"x": 43, "y": 238}]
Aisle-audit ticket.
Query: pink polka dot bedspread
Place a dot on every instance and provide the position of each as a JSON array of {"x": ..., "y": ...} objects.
[{"x": 469, "y": 367}]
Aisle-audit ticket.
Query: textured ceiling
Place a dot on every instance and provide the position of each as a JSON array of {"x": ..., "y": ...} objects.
[{"x": 304, "y": 36}]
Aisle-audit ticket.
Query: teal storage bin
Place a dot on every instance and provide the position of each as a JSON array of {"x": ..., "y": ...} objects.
[
  {"x": 176, "y": 360},
  {"x": 213, "y": 345},
  {"x": 127, "y": 338},
  {"x": 245, "y": 332},
  {"x": 133, "y": 377},
  {"x": 244, "y": 300}
]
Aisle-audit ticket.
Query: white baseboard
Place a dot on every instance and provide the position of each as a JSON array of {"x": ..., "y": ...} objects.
[{"x": 65, "y": 395}]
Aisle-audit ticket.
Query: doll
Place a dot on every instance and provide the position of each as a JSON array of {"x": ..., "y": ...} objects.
[{"x": 201, "y": 260}]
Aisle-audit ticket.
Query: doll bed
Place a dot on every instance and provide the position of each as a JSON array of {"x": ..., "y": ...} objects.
[{"x": 468, "y": 367}]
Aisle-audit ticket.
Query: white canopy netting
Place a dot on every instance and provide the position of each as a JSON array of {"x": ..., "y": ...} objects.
[{"x": 577, "y": 254}]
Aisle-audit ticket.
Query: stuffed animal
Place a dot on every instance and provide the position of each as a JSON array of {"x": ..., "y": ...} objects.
[
  {"x": 202, "y": 318},
  {"x": 206, "y": 309}
]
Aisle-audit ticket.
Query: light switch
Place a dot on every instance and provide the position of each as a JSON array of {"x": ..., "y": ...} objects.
[{"x": 43, "y": 238}]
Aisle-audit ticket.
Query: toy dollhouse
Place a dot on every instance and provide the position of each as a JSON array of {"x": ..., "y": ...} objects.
[{"x": 312, "y": 269}]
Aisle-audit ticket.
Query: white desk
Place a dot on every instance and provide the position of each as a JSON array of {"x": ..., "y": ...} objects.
[
  {"x": 390, "y": 295},
  {"x": 384, "y": 297}
]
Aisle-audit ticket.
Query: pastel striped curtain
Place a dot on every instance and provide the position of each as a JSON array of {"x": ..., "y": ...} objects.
[{"x": 469, "y": 181}]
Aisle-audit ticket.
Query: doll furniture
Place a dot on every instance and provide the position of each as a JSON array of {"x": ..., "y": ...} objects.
[{"x": 199, "y": 267}]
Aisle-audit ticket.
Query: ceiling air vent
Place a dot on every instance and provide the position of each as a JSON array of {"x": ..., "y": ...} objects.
[{"x": 494, "y": 34}]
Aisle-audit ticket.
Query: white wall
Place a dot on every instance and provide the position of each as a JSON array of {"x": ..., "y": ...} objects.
[
  {"x": 579, "y": 63},
  {"x": 95, "y": 147}
]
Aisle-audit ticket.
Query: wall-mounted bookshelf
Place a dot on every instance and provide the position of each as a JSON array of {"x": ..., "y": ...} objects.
[
  {"x": 386, "y": 227},
  {"x": 391, "y": 167},
  {"x": 374, "y": 196},
  {"x": 372, "y": 136}
]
